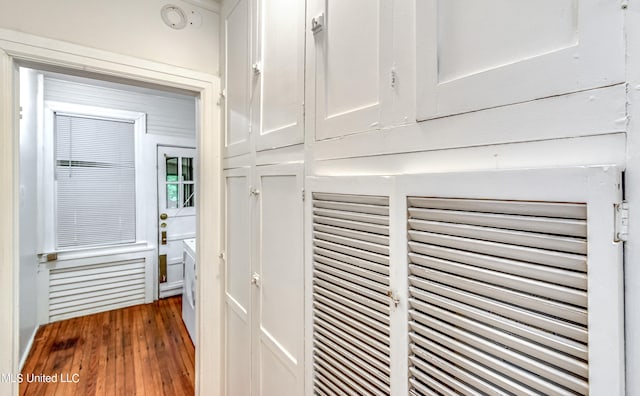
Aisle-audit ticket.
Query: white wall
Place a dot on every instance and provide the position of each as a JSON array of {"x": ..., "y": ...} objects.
[
  {"x": 28, "y": 209},
  {"x": 132, "y": 28}
]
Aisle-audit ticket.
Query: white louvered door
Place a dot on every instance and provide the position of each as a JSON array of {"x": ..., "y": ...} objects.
[
  {"x": 350, "y": 297},
  {"x": 514, "y": 283},
  {"x": 503, "y": 282}
]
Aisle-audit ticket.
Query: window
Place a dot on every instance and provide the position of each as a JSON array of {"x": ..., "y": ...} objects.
[
  {"x": 179, "y": 182},
  {"x": 95, "y": 195}
]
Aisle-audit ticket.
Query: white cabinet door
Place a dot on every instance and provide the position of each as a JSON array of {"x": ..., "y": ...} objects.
[
  {"x": 237, "y": 77},
  {"x": 352, "y": 65},
  {"x": 278, "y": 340},
  {"x": 474, "y": 55},
  {"x": 237, "y": 281},
  {"x": 281, "y": 74}
]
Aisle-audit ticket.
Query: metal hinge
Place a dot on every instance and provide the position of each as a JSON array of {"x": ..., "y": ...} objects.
[
  {"x": 20, "y": 112},
  {"x": 622, "y": 222},
  {"x": 303, "y": 194},
  {"x": 393, "y": 78}
]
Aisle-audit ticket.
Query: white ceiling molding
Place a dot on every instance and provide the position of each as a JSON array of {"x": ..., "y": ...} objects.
[{"x": 211, "y": 5}]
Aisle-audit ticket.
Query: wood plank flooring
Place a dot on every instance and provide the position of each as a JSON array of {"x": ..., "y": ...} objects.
[{"x": 141, "y": 350}]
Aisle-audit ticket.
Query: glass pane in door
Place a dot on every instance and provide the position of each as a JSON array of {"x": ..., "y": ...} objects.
[
  {"x": 172, "y": 169},
  {"x": 172, "y": 195},
  {"x": 187, "y": 169},
  {"x": 188, "y": 198}
]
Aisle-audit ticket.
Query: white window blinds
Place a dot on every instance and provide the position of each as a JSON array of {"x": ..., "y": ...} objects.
[{"x": 95, "y": 181}]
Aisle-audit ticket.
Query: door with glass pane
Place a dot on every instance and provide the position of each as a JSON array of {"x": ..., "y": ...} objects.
[{"x": 176, "y": 214}]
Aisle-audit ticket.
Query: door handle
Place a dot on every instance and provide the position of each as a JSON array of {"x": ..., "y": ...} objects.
[{"x": 163, "y": 216}]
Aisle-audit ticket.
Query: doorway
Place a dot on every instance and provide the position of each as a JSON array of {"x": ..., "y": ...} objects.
[
  {"x": 46, "y": 52},
  {"x": 176, "y": 215}
]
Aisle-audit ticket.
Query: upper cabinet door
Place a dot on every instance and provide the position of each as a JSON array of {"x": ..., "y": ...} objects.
[
  {"x": 473, "y": 55},
  {"x": 237, "y": 77},
  {"x": 281, "y": 73},
  {"x": 353, "y": 44}
]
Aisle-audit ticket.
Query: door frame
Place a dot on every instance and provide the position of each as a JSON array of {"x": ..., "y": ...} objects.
[{"x": 20, "y": 48}]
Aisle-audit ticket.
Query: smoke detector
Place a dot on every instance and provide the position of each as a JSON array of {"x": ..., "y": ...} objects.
[{"x": 173, "y": 16}]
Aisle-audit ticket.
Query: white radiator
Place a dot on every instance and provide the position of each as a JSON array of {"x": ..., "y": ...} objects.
[{"x": 83, "y": 290}]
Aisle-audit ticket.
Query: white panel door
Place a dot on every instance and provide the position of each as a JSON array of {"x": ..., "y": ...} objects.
[
  {"x": 281, "y": 73},
  {"x": 474, "y": 55},
  {"x": 237, "y": 77},
  {"x": 237, "y": 282},
  {"x": 278, "y": 341},
  {"x": 352, "y": 65},
  {"x": 176, "y": 214}
]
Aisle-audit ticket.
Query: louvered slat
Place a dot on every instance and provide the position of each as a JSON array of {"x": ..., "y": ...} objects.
[
  {"x": 350, "y": 294},
  {"x": 497, "y": 297},
  {"x": 89, "y": 289}
]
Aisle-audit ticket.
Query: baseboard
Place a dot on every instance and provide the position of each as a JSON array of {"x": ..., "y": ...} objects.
[
  {"x": 170, "y": 289},
  {"x": 27, "y": 350}
]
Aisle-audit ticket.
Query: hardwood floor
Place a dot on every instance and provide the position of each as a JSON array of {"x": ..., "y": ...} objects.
[{"x": 141, "y": 350}]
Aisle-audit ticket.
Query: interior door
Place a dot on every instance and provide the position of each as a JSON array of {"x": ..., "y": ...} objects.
[{"x": 176, "y": 214}]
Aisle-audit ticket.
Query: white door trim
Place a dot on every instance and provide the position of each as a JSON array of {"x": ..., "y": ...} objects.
[{"x": 16, "y": 47}]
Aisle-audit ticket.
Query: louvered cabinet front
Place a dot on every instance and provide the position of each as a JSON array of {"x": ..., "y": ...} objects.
[
  {"x": 497, "y": 297},
  {"x": 351, "y": 324}
]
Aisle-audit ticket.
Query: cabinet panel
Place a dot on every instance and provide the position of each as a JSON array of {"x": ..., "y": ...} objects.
[
  {"x": 237, "y": 78},
  {"x": 237, "y": 281},
  {"x": 238, "y": 239},
  {"x": 282, "y": 74},
  {"x": 281, "y": 290},
  {"x": 238, "y": 356},
  {"x": 472, "y": 56},
  {"x": 352, "y": 58}
]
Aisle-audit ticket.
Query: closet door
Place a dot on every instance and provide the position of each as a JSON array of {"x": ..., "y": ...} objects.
[
  {"x": 475, "y": 55},
  {"x": 278, "y": 283},
  {"x": 238, "y": 306},
  {"x": 514, "y": 282},
  {"x": 353, "y": 41},
  {"x": 354, "y": 323},
  {"x": 281, "y": 73},
  {"x": 237, "y": 29}
]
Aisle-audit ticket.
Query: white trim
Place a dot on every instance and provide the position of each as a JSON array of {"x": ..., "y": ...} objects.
[{"x": 17, "y": 47}]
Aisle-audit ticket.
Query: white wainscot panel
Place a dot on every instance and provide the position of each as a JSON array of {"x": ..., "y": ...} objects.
[{"x": 475, "y": 55}]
